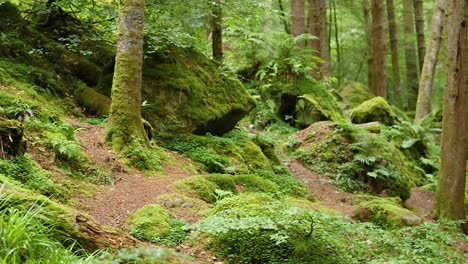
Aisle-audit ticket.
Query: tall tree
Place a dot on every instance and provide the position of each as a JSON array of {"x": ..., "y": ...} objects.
[
  {"x": 217, "y": 31},
  {"x": 368, "y": 30},
  {"x": 451, "y": 185},
  {"x": 410, "y": 53},
  {"x": 423, "y": 107},
  {"x": 318, "y": 28},
  {"x": 421, "y": 39},
  {"x": 378, "y": 48},
  {"x": 125, "y": 119},
  {"x": 298, "y": 19},
  {"x": 392, "y": 31}
]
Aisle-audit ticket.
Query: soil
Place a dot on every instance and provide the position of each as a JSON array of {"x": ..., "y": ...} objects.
[{"x": 323, "y": 189}]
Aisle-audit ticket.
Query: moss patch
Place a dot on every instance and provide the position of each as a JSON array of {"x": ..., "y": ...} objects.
[
  {"x": 376, "y": 109},
  {"x": 386, "y": 212},
  {"x": 197, "y": 186}
]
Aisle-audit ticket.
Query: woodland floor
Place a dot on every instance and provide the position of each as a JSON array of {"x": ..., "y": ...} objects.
[{"x": 111, "y": 205}]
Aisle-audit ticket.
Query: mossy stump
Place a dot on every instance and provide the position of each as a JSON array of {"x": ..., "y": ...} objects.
[{"x": 11, "y": 138}]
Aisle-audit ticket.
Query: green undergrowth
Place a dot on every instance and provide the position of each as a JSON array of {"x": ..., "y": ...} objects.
[
  {"x": 154, "y": 224},
  {"x": 357, "y": 159},
  {"x": 261, "y": 229},
  {"x": 144, "y": 158},
  {"x": 233, "y": 153},
  {"x": 24, "y": 171}
]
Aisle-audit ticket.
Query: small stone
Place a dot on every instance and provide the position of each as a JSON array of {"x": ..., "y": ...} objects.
[
  {"x": 178, "y": 200},
  {"x": 169, "y": 204},
  {"x": 187, "y": 205}
]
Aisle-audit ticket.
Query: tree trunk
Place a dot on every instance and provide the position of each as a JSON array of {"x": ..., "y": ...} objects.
[
  {"x": 283, "y": 17},
  {"x": 451, "y": 186},
  {"x": 217, "y": 31},
  {"x": 125, "y": 119},
  {"x": 423, "y": 107},
  {"x": 298, "y": 19},
  {"x": 370, "y": 55},
  {"x": 378, "y": 48},
  {"x": 419, "y": 22},
  {"x": 392, "y": 30},
  {"x": 318, "y": 28},
  {"x": 410, "y": 53}
]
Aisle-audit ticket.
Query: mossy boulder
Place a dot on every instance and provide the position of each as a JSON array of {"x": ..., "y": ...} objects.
[
  {"x": 387, "y": 212},
  {"x": 375, "y": 109},
  {"x": 150, "y": 223},
  {"x": 357, "y": 159},
  {"x": 355, "y": 93},
  {"x": 11, "y": 138},
  {"x": 186, "y": 92}
]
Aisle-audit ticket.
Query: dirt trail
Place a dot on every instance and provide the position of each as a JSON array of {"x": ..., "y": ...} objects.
[
  {"x": 111, "y": 205},
  {"x": 323, "y": 189}
]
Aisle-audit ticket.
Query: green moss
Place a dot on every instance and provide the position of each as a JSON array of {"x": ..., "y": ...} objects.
[
  {"x": 233, "y": 153},
  {"x": 225, "y": 182},
  {"x": 178, "y": 200},
  {"x": 255, "y": 183},
  {"x": 355, "y": 93},
  {"x": 325, "y": 103},
  {"x": 92, "y": 101},
  {"x": 197, "y": 186},
  {"x": 386, "y": 212},
  {"x": 150, "y": 222},
  {"x": 249, "y": 203},
  {"x": 357, "y": 160},
  {"x": 376, "y": 109},
  {"x": 186, "y": 93}
]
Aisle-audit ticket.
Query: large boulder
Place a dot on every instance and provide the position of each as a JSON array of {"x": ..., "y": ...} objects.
[{"x": 186, "y": 92}]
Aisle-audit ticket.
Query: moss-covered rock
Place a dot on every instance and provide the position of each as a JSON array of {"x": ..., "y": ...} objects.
[
  {"x": 357, "y": 159},
  {"x": 11, "y": 138},
  {"x": 355, "y": 93},
  {"x": 387, "y": 212},
  {"x": 150, "y": 222},
  {"x": 376, "y": 109},
  {"x": 186, "y": 92}
]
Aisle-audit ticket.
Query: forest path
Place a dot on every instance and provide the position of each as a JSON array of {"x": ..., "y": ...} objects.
[
  {"x": 323, "y": 189},
  {"x": 131, "y": 190}
]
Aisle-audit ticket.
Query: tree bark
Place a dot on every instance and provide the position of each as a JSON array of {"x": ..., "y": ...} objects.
[
  {"x": 298, "y": 19},
  {"x": 451, "y": 185},
  {"x": 419, "y": 23},
  {"x": 318, "y": 28},
  {"x": 392, "y": 30},
  {"x": 368, "y": 30},
  {"x": 125, "y": 119},
  {"x": 410, "y": 54},
  {"x": 378, "y": 48},
  {"x": 423, "y": 107},
  {"x": 217, "y": 31}
]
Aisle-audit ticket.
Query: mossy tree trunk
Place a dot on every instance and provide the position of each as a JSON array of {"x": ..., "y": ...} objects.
[
  {"x": 423, "y": 107},
  {"x": 298, "y": 19},
  {"x": 392, "y": 31},
  {"x": 217, "y": 31},
  {"x": 410, "y": 53},
  {"x": 125, "y": 123},
  {"x": 378, "y": 48},
  {"x": 421, "y": 38},
  {"x": 451, "y": 185}
]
